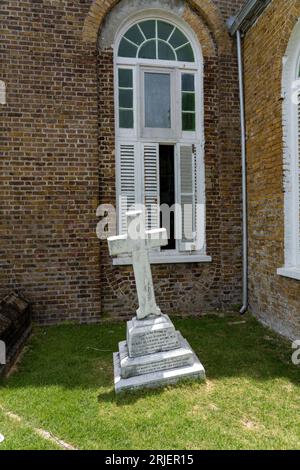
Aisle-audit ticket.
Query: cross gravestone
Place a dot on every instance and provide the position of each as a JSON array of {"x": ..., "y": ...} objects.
[{"x": 154, "y": 354}]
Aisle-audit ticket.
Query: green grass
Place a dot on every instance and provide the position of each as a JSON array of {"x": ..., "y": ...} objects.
[
  {"x": 19, "y": 436},
  {"x": 251, "y": 399}
]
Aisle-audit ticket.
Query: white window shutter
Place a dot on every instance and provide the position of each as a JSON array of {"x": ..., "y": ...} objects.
[
  {"x": 127, "y": 182},
  {"x": 151, "y": 184},
  {"x": 298, "y": 187},
  {"x": 186, "y": 218}
]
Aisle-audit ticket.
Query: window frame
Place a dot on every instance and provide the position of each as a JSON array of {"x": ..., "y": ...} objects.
[
  {"x": 177, "y": 68},
  {"x": 158, "y": 134},
  {"x": 192, "y": 135},
  {"x": 291, "y": 158},
  {"x": 128, "y": 133},
  {"x": 175, "y": 27}
]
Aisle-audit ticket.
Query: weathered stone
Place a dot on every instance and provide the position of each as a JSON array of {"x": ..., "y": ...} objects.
[
  {"x": 151, "y": 336},
  {"x": 166, "y": 360},
  {"x": 137, "y": 244},
  {"x": 155, "y": 353},
  {"x": 158, "y": 378}
]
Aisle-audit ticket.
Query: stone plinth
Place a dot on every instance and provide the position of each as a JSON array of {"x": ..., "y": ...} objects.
[
  {"x": 157, "y": 379},
  {"x": 151, "y": 336},
  {"x": 132, "y": 366},
  {"x": 154, "y": 355}
]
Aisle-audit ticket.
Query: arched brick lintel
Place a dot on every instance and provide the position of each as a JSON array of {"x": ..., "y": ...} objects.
[{"x": 205, "y": 8}]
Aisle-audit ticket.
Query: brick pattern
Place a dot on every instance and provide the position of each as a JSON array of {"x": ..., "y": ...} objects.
[
  {"x": 273, "y": 299},
  {"x": 49, "y": 160},
  {"x": 58, "y": 163},
  {"x": 187, "y": 289},
  {"x": 228, "y": 9},
  {"x": 207, "y": 9}
]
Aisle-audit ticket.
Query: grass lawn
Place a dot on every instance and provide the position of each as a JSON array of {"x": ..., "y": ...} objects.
[
  {"x": 64, "y": 384},
  {"x": 19, "y": 436}
]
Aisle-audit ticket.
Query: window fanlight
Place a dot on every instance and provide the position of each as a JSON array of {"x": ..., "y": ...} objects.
[{"x": 158, "y": 40}]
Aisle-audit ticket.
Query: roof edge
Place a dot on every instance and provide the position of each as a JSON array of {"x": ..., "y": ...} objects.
[{"x": 246, "y": 16}]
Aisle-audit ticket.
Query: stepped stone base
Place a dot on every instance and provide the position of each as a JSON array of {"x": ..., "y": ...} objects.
[
  {"x": 157, "y": 379},
  {"x": 133, "y": 366},
  {"x": 154, "y": 355},
  {"x": 155, "y": 334}
]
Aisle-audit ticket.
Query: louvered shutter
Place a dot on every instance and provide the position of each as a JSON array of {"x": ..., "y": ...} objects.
[
  {"x": 151, "y": 184},
  {"x": 298, "y": 186},
  {"x": 127, "y": 182},
  {"x": 187, "y": 219}
]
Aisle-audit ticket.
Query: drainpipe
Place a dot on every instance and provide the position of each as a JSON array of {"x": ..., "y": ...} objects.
[{"x": 244, "y": 174}]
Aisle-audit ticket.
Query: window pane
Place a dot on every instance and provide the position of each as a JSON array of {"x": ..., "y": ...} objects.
[
  {"x": 164, "y": 29},
  {"x": 126, "y": 49},
  {"x": 188, "y": 82},
  {"x": 135, "y": 35},
  {"x": 148, "y": 50},
  {"x": 188, "y": 101},
  {"x": 126, "y": 119},
  {"x": 165, "y": 52},
  {"x": 126, "y": 98},
  {"x": 158, "y": 100},
  {"x": 167, "y": 191},
  {"x": 185, "y": 54},
  {"x": 125, "y": 78},
  {"x": 148, "y": 28},
  {"x": 178, "y": 38},
  {"x": 188, "y": 122}
]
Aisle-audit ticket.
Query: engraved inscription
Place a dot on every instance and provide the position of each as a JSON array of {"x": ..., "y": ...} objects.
[
  {"x": 151, "y": 342},
  {"x": 166, "y": 364}
]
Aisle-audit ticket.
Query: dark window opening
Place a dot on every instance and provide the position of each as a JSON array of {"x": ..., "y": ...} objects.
[{"x": 167, "y": 189}]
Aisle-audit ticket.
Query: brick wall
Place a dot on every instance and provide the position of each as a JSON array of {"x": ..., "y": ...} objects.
[
  {"x": 188, "y": 289},
  {"x": 49, "y": 159},
  {"x": 274, "y": 299},
  {"x": 57, "y": 164},
  {"x": 228, "y": 9}
]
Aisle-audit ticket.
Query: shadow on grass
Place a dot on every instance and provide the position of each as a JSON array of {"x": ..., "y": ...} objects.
[
  {"x": 81, "y": 356},
  {"x": 127, "y": 398},
  {"x": 130, "y": 397}
]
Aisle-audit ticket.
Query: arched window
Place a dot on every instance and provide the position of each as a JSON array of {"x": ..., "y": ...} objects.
[
  {"x": 291, "y": 138},
  {"x": 156, "y": 39},
  {"x": 159, "y": 129}
]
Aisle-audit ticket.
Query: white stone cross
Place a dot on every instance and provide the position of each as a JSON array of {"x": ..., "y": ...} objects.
[{"x": 137, "y": 243}]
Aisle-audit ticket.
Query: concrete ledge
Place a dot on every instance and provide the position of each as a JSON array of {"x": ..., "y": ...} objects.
[
  {"x": 293, "y": 273},
  {"x": 166, "y": 259}
]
